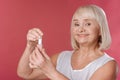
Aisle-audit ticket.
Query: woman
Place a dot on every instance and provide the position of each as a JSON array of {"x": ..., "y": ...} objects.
[{"x": 87, "y": 61}]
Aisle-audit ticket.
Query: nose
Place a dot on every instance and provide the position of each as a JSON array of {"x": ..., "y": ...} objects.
[{"x": 81, "y": 29}]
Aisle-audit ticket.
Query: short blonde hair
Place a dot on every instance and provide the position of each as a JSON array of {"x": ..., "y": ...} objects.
[{"x": 99, "y": 15}]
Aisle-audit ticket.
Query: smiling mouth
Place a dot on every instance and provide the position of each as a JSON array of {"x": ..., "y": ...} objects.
[{"x": 82, "y": 35}]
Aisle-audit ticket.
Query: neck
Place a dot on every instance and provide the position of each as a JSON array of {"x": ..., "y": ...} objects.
[{"x": 88, "y": 49}]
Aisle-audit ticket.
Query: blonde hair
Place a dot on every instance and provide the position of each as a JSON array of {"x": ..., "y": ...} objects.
[{"x": 99, "y": 15}]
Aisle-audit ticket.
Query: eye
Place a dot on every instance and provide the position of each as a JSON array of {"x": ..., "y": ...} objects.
[
  {"x": 87, "y": 24},
  {"x": 76, "y": 24}
]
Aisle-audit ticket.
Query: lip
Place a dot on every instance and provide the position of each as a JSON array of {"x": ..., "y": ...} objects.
[{"x": 82, "y": 35}]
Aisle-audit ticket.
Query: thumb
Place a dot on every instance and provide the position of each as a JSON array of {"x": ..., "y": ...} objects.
[
  {"x": 42, "y": 50},
  {"x": 45, "y": 54}
]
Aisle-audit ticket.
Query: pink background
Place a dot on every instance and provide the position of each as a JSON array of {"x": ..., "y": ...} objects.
[{"x": 53, "y": 17}]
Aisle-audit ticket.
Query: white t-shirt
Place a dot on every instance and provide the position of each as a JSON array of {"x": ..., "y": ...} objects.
[{"x": 64, "y": 66}]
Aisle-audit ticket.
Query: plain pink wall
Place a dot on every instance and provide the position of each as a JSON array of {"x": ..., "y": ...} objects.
[{"x": 53, "y": 18}]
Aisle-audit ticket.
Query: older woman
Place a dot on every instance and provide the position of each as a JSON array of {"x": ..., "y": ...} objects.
[{"x": 87, "y": 61}]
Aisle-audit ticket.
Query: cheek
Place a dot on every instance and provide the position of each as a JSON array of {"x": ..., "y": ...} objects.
[
  {"x": 73, "y": 31},
  {"x": 95, "y": 34},
  {"x": 94, "y": 30}
]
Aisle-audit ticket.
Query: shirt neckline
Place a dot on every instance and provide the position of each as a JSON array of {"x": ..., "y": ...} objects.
[{"x": 75, "y": 70}]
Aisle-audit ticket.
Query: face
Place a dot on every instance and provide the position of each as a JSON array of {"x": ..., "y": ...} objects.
[{"x": 85, "y": 30}]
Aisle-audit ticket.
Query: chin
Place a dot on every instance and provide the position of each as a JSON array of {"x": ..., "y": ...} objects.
[{"x": 82, "y": 42}]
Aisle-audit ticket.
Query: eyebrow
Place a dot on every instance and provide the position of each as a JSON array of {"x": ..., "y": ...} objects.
[
  {"x": 75, "y": 19},
  {"x": 85, "y": 19}
]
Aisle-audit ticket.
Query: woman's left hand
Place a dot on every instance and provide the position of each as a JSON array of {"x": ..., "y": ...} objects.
[{"x": 39, "y": 59}]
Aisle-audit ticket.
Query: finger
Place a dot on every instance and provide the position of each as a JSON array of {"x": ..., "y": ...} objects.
[
  {"x": 36, "y": 58},
  {"x": 45, "y": 54},
  {"x": 35, "y": 33},
  {"x": 32, "y": 65},
  {"x": 39, "y": 47},
  {"x": 33, "y": 59},
  {"x": 31, "y": 37},
  {"x": 38, "y": 31},
  {"x": 39, "y": 55},
  {"x": 41, "y": 50}
]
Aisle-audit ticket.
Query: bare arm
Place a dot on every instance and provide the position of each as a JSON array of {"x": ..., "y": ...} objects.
[
  {"x": 23, "y": 69},
  {"x": 106, "y": 72},
  {"x": 35, "y": 63}
]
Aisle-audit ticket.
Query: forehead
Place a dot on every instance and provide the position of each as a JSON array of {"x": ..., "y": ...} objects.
[{"x": 84, "y": 14}]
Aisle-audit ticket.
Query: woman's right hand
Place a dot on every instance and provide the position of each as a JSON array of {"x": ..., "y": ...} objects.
[{"x": 32, "y": 37}]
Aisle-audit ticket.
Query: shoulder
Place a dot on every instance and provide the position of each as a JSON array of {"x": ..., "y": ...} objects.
[
  {"x": 54, "y": 57},
  {"x": 106, "y": 72}
]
